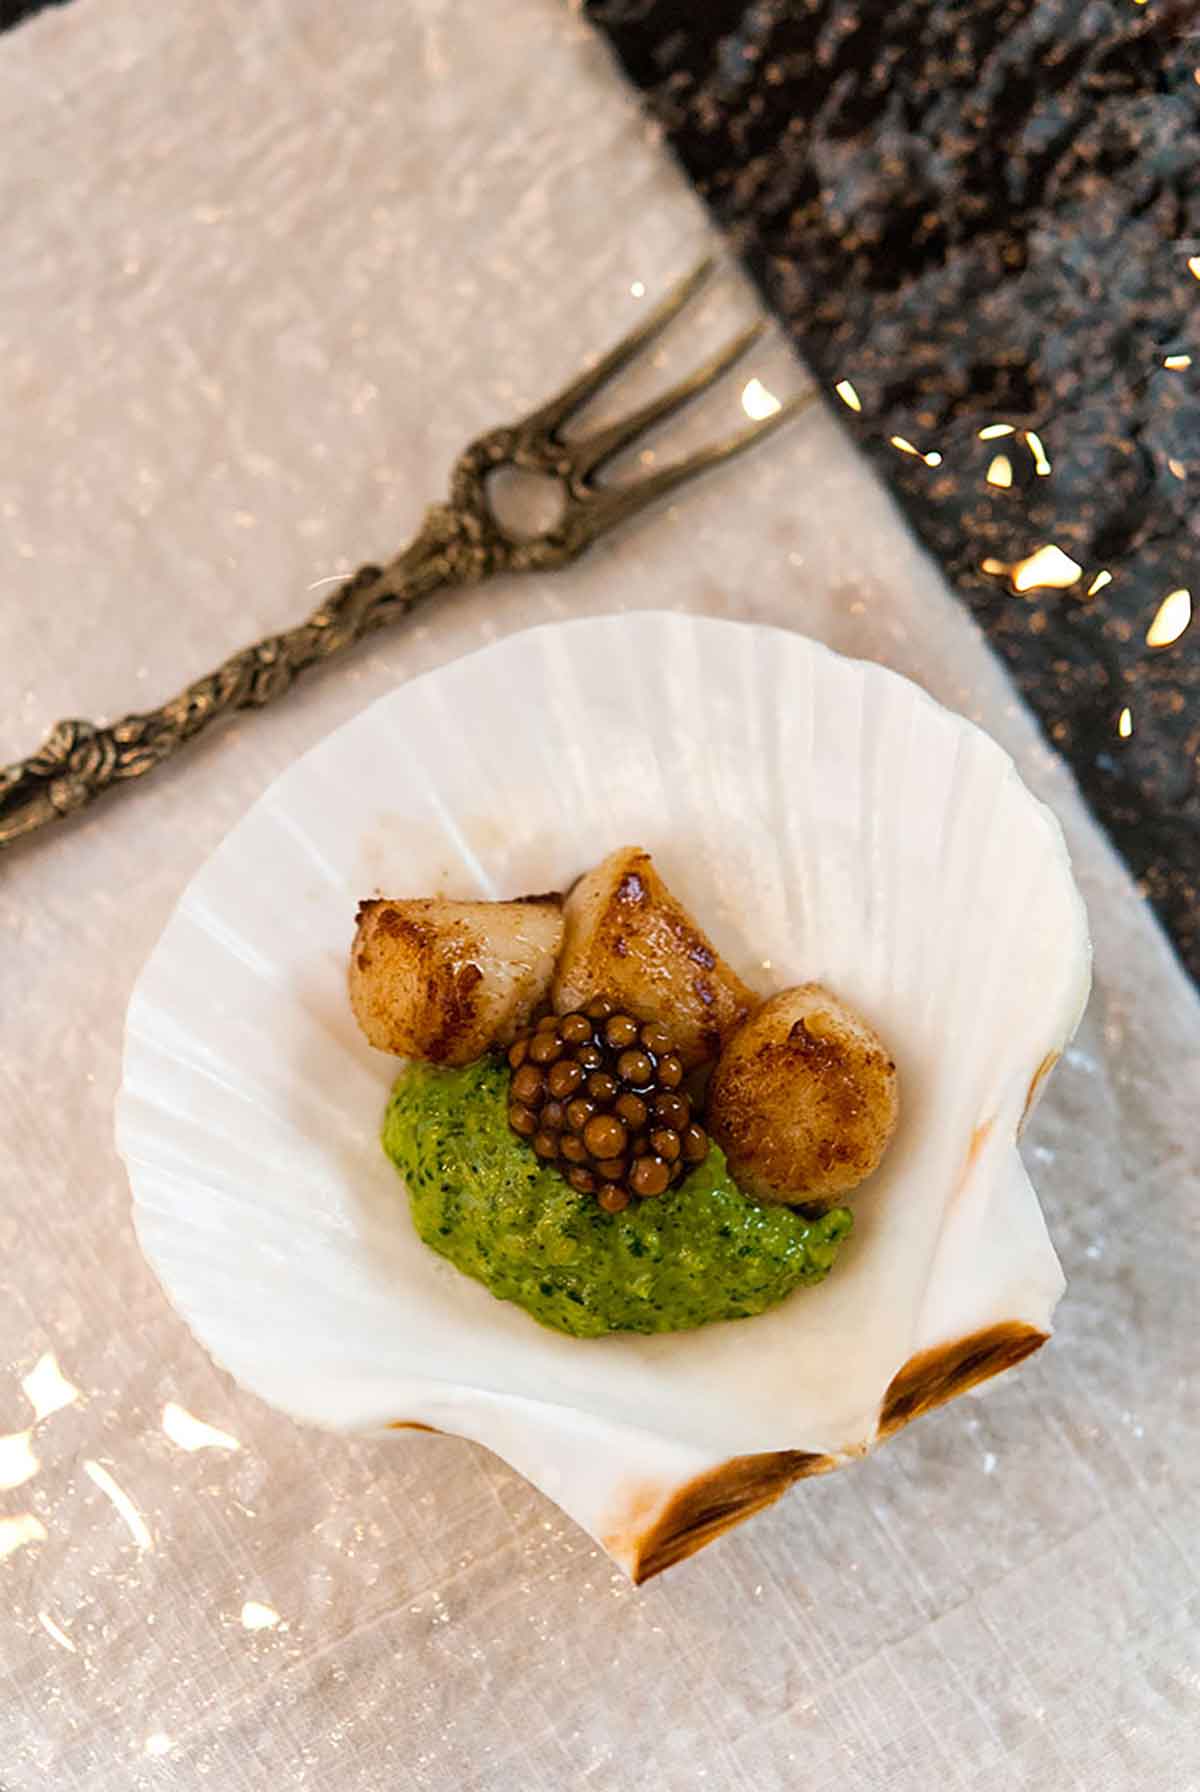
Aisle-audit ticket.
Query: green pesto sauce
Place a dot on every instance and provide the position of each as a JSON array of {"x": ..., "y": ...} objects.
[{"x": 481, "y": 1197}]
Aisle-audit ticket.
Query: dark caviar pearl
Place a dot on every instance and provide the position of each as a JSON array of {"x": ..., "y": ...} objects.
[
  {"x": 632, "y": 1110},
  {"x": 602, "y": 1087},
  {"x": 620, "y": 1031},
  {"x": 636, "y": 1069},
  {"x": 649, "y": 1176},
  {"x": 576, "y": 1029},
  {"x": 564, "y": 1078},
  {"x": 518, "y": 1052},
  {"x": 598, "y": 1009},
  {"x": 579, "y": 1112},
  {"x": 605, "y": 1136},
  {"x": 545, "y": 1047},
  {"x": 670, "y": 1071},
  {"x": 667, "y": 1143},
  {"x": 673, "y": 1110},
  {"x": 695, "y": 1144},
  {"x": 522, "y": 1120},
  {"x": 528, "y": 1084},
  {"x": 546, "y": 1144},
  {"x": 613, "y": 1198}
]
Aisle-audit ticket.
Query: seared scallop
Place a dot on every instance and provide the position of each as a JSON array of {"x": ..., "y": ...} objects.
[
  {"x": 803, "y": 1100},
  {"x": 448, "y": 980},
  {"x": 628, "y": 938}
]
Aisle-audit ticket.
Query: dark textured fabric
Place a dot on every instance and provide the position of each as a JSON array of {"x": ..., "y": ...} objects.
[{"x": 983, "y": 213}]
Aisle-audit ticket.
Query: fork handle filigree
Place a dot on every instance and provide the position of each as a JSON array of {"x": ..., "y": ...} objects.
[{"x": 460, "y": 543}]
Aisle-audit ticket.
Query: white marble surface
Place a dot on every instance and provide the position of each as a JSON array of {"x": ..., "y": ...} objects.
[{"x": 266, "y": 269}]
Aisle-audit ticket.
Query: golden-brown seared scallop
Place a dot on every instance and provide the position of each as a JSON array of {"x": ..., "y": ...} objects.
[
  {"x": 627, "y": 938},
  {"x": 803, "y": 1100},
  {"x": 448, "y": 980}
]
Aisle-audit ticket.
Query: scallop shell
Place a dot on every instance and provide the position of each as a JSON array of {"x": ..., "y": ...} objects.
[{"x": 824, "y": 819}]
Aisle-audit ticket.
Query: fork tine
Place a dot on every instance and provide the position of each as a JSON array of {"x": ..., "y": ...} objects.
[
  {"x": 559, "y": 409},
  {"x": 614, "y": 504},
  {"x": 594, "y": 450}
]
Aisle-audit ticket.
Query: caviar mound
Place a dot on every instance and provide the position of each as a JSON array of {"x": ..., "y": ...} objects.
[
  {"x": 482, "y": 1198},
  {"x": 600, "y": 1095}
]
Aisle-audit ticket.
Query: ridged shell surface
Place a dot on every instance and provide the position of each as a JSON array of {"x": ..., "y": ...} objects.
[{"x": 824, "y": 819}]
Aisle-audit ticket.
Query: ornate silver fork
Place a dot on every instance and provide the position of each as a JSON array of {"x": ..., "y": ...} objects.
[{"x": 461, "y": 542}]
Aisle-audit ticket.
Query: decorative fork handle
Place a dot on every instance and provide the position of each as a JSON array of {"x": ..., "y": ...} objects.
[
  {"x": 460, "y": 543},
  {"x": 79, "y": 760}
]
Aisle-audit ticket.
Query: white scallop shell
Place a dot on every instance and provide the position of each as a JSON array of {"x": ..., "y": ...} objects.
[{"x": 824, "y": 819}]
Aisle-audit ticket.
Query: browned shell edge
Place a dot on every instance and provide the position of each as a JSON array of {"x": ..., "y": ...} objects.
[
  {"x": 737, "y": 1489},
  {"x": 934, "y": 1376},
  {"x": 715, "y": 1502}
]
